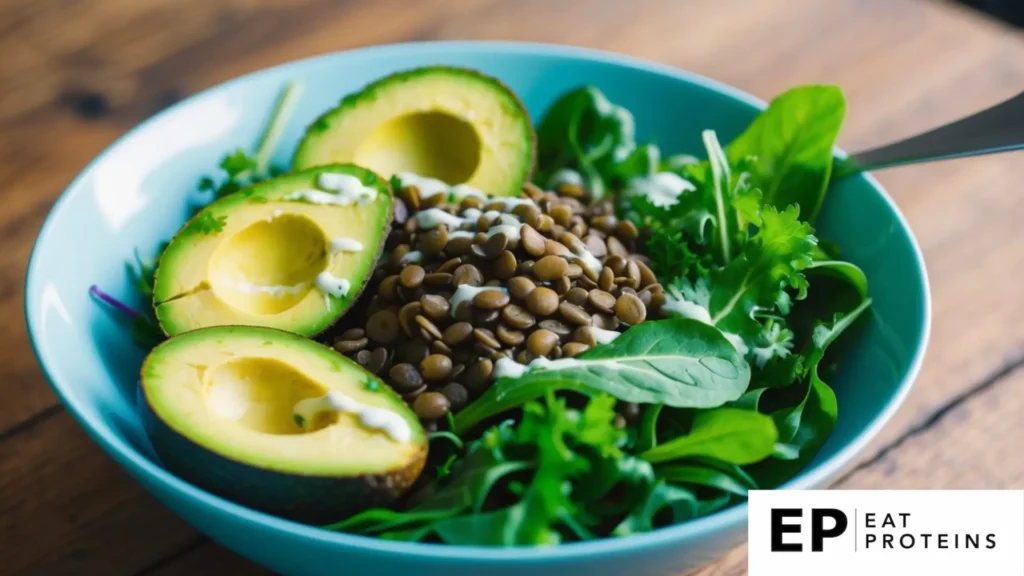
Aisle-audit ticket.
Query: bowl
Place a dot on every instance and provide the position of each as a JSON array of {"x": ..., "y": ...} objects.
[{"x": 135, "y": 194}]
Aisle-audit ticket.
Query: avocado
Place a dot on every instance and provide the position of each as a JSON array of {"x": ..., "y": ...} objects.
[
  {"x": 451, "y": 124},
  {"x": 279, "y": 423},
  {"x": 291, "y": 253}
]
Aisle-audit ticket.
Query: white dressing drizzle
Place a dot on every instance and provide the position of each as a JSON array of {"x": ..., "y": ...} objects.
[
  {"x": 411, "y": 257},
  {"x": 604, "y": 336},
  {"x": 586, "y": 258},
  {"x": 331, "y": 285},
  {"x": 511, "y": 232},
  {"x": 433, "y": 217},
  {"x": 466, "y": 292},
  {"x": 277, "y": 290},
  {"x": 565, "y": 176},
  {"x": 461, "y": 234},
  {"x": 461, "y": 191},
  {"x": 345, "y": 245},
  {"x": 347, "y": 186},
  {"x": 427, "y": 186},
  {"x": 509, "y": 368},
  {"x": 380, "y": 419},
  {"x": 663, "y": 189}
]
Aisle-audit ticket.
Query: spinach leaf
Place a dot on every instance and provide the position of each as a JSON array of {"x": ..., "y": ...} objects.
[
  {"x": 727, "y": 434},
  {"x": 677, "y": 362},
  {"x": 583, "y": 131},
  {"x": 791, "y": 145}
]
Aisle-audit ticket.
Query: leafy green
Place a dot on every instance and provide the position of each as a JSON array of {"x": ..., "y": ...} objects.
[
  {"x": 727, "y": 434},
  {"x": 791, "y": 146},
  {"x": 206, "y": 223},
  {"x": 677, "y": 362},
  {"x": 559, "y": 473},
  {"x": 585, "y": 133}
]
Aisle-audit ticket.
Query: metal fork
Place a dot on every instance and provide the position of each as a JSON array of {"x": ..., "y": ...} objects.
[{"x": 993, "y": 130}]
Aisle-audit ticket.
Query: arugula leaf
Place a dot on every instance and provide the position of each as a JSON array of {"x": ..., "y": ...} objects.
[
  {"x": 727, "y": 434},
  {"x": 791, "y": 145},
  {"x": 678, "y": 362}
]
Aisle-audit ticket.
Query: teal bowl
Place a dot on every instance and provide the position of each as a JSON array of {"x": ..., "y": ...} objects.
[{"x": 135, "y": 195}]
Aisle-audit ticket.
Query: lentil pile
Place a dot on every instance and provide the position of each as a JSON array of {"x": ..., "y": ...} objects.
[{"x": 468, "y": 281}]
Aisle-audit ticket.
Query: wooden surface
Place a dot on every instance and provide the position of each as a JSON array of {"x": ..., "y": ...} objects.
[{"x": 75, "y": 74}]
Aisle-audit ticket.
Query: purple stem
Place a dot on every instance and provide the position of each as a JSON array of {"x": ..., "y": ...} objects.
[{"x": 120, "y": 306}]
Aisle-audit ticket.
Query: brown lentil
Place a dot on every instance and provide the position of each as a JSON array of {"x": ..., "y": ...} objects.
[
  {"x": 412, "y": 276},
  {"x": 405, "y": 377},
  {"x": 517, "y": 317},
  {"x": 577, "y": 296},
  {"x": 550, "y": 268},
  {"x": 491, "y": 247},
  {"x": 574, "y": 314},
  {"x": 630, "y": 310},
  {"x": 438, "y": 279},
  {"x": 520, "y": 287},
  {"x": 486, "y": 337},
  {"x": 561, "y": 329},
  {"x": 377, "y": 360},
  {"x": 604, "y": 321},
  {"x": 553, "y": 248},
  {"x": 434, "y": 307},
  {"x": 584, "y": 335},
  {"x": 490, "y": 299},
  {"x": 467, "y": 274},
  {"x": 508, "y": 336},
  {"x": 436, "y": 367},
  {"x": 407, "y": 317},
  {"x": 431, "y": 405},
  {"x": 457, "y": 333},
  {"x": 478, "y": 375},
  {"x": 541, "y": 342},
  {"x": 607, "y": 279},
  {"x": 504, "y": 267},
  {"x": 542, "y": 301},
  {"x": 439, "y": 347},
  {"x": 434, "y": 241},
  {"x": 561, "y": 285},
  {"x": 363, "y": 357},
  {"x": 449, "y": 265},
  {"x": 532, "y": 241},
  {"x": 456, "y": 394},
  {"x": 350, "y": 346},
  {"x": 388, "y": 287},
  {"x": 574, "y": 349},
  {"x": 352, "y": 334},
  {"x": 428, "y": 327}
]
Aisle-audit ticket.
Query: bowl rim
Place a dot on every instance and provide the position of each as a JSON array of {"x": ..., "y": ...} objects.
[{"x": 137, "y": 464}]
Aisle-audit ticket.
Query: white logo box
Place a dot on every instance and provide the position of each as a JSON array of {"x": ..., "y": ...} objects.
[{"x": 929, "y": 532}]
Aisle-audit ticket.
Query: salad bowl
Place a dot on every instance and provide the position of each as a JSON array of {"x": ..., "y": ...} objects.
[{"x": 137, "y": 193}]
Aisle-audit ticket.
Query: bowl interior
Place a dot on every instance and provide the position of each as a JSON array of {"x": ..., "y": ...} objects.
[{"x": 135, "y": 195}]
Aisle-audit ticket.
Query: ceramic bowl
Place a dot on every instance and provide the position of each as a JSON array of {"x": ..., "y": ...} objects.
[{"x": 135, "y": 194}]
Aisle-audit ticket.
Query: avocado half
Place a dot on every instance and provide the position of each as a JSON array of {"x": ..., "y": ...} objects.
[
  {"x": 220, "y": 406},
  {"x": 453, "y": 124},
  {"x": 291, "y": 253}
]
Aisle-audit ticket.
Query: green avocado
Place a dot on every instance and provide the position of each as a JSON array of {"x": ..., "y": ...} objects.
[
  {"x": 279, "y": 423},
  {"x": 291, "y": 253},
  {"x": 451, "y": 124}
]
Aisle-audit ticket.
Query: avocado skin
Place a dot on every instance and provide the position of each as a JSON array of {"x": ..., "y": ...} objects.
[
  {"x": 371, "y": 91},
  {"x": 315, "y": 500}
]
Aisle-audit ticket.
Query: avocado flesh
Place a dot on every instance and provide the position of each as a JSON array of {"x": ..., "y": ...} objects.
[
  {"x": 263, "y": 268},
  {"x": 220, "y": 403},
  {"x": 452, "y": 124}
]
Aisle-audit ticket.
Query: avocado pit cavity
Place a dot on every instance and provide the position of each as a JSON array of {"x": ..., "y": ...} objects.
[
  {"x": 259, "y": 393},
  {"x": 432, "y": 144}
]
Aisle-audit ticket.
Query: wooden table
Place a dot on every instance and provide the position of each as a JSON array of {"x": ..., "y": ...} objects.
[{"x": 75, "y": 74}]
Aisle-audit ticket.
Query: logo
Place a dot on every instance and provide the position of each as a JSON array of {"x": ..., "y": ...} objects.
[
  {"x": 818, "y": 530},
  {"x": 883, "y": 532}
]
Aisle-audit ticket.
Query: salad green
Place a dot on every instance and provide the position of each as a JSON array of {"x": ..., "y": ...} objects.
[{"x": 728, "y": 389}]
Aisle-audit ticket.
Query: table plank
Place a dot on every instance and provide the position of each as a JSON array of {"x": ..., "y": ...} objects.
[{"x": 905, "y": 65}]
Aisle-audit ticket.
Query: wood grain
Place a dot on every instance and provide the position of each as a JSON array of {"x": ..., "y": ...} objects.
[{"x": 78, "y": 73}]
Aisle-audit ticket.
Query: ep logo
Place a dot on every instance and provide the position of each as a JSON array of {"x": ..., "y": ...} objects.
[{"x": 821, "y": 523}]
